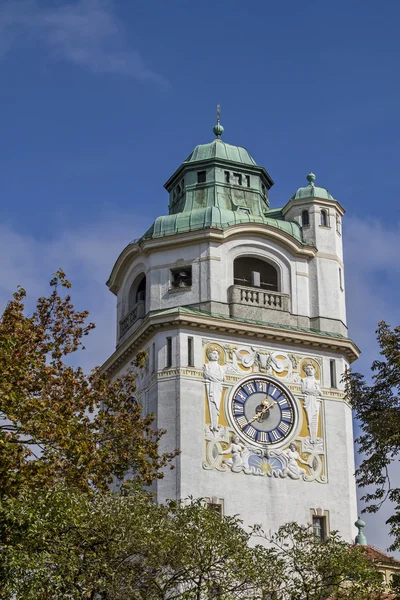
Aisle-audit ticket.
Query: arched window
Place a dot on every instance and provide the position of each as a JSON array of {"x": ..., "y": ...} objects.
[
  {"x": 137, "y": 292},
  {"x": 254, "y": 272},
  {"x": 324, "y": 218},
  {"x": 305, "y": 218}
]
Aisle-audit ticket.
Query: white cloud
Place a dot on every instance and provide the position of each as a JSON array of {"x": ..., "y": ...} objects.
[
  {"x": 372, "y": 281},
  {"x": 86, "y": 33},
  {"x": 87, "y": 255}
]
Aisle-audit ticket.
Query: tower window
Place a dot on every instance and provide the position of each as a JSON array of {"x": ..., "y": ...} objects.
[
  {"x": 319, "y": 527},
  {"x": 338, "y": 225},
  {"x": 263, "y": 189},
  {"x": 305, "y": 218},
  {"x": 169, "y": 353},
  {"x": 181, "y": 277},
  {"x": 247, "y": 180},
  {"x": 153, "y": 357},
  {"x": 341, "y": 279},
  {"x": 201, "y": 176},
  {"x": 190, "y": 352},
  {"x": 245, "y": 268},
  {"x": 324, "y": 219},
  {"x": 237, "y": 179},
  {"x": 227, "y": 177},
  {"x": 137, "y": 292},
  {"x": 332, "y": 370},
  {"x": 215, "y": 507}
]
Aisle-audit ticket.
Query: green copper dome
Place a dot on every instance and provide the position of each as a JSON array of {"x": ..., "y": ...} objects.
[
  {"x": 219, "y": 149},
  {"x": 312, "y": 191},
  {"x": 214, "y": 217}
]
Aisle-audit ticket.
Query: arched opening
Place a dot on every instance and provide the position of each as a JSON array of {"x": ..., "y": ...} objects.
[
  {"x": 254, "y": 272},
  {"x": 324, "y": 218},
  {"x": 137, "y": 292},
  {"x": 305, "y": 218}
]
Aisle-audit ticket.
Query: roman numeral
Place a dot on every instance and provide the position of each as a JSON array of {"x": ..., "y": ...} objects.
[
  {"x": 238, "y": 408},
  {"x": 275, "y": 435},
  {"x": 284, "y": 427},
  {"x": 262, "y": 436},
  {"x": 283, "y": 403},
  {"x": 275, "y": 393},
  {"x": 261, "y": 386},
  {"x": 251, "y": 432},
  {"x": 241, "y": 394},
  {"x": 286, "y": 414},
  {"x": 250, "y": 388},
  {"x": 242, "y": 421}
]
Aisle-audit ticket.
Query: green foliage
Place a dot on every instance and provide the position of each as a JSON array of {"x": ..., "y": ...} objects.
[
  {"x": 312, "y": 569},
  {"x": 64, "y": 535},
  {"x": 58, "y": 424},
  {"x": 377, "y": 408},
  {"x": 64, "y": 544}
]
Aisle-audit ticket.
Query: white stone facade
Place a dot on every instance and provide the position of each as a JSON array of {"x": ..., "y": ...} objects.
[{"x": 308, "y": 326}]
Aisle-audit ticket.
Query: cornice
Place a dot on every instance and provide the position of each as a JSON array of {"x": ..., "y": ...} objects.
[
  {"x": 212, "y": 235},
  {"x": 201, "y": 321},
  {"x": 218, "y": 162},
  {"x": 314, "y": 200}
]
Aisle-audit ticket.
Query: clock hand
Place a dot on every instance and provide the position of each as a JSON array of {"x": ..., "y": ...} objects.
[
  {"x": 256, "y": 416},
  {"x": 262, "y": 411}
]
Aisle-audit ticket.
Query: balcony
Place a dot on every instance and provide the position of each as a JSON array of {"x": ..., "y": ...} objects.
[
  {"x": 259, "y": 305},
  {"x": 134, "y": 316}
]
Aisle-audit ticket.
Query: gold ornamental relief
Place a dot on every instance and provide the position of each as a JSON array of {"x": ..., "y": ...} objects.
[
  {"x": 284, "y": 361},
  {"x": 214, "y": 347},
  {"x": 310, "y": 361}
]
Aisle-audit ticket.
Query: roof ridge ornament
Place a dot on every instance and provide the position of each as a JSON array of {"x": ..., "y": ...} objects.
[
  {"x": 311, "y": 178},
  {"x": 360, "y": 537},
  {"x": 218, "y": 129}
]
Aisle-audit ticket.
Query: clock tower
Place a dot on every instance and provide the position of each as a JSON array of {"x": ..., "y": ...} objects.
[{"x": 241, "y": 309}]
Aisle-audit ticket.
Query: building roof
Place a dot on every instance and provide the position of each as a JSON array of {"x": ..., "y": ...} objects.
[
  {"x": 214, "y": 217},
  {"x": 221, "y": 150},
  {"x": 378, "y": 556},
  {"x": 312, "y": 191}
]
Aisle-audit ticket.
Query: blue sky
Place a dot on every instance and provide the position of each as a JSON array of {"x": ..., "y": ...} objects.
[{"x": 101, "y": 100}]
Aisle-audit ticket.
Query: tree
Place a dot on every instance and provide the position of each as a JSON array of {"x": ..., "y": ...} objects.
[
  {"x": 64, "y": 436},
  {"x": 377, "y": 408},
  {"x": 312, "y": 569},
  {"x": 64, "y": 544},
  {"x": 56, "y": 422}
]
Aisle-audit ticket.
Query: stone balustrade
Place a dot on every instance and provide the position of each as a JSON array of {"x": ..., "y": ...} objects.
[
  {"x": 259, "y": 297},
  {"x": 136, "y": 313},
  {"x": 259, "y": 305}
]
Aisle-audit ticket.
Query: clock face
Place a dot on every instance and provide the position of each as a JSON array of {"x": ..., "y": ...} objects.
[{"x": 262, "y": 411}]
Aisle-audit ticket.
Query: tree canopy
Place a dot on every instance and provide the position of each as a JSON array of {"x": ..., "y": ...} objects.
[
  {"x": 377, "y": 408},
  {"x": 64, "y": 535},
  {"x": 65, "y": 544},
  {"x": 56, "y": 422}
]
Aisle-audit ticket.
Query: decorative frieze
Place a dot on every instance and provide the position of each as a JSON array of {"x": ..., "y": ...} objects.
[{"x": 256, "y": 427}]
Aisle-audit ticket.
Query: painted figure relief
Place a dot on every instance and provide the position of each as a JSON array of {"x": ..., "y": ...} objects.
[
  {"x": 214, "y": 374},
  {"x": 311, "y": 390},
  {"x": 269, "y": 432},
  {"x": 236, "y": 449}
]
